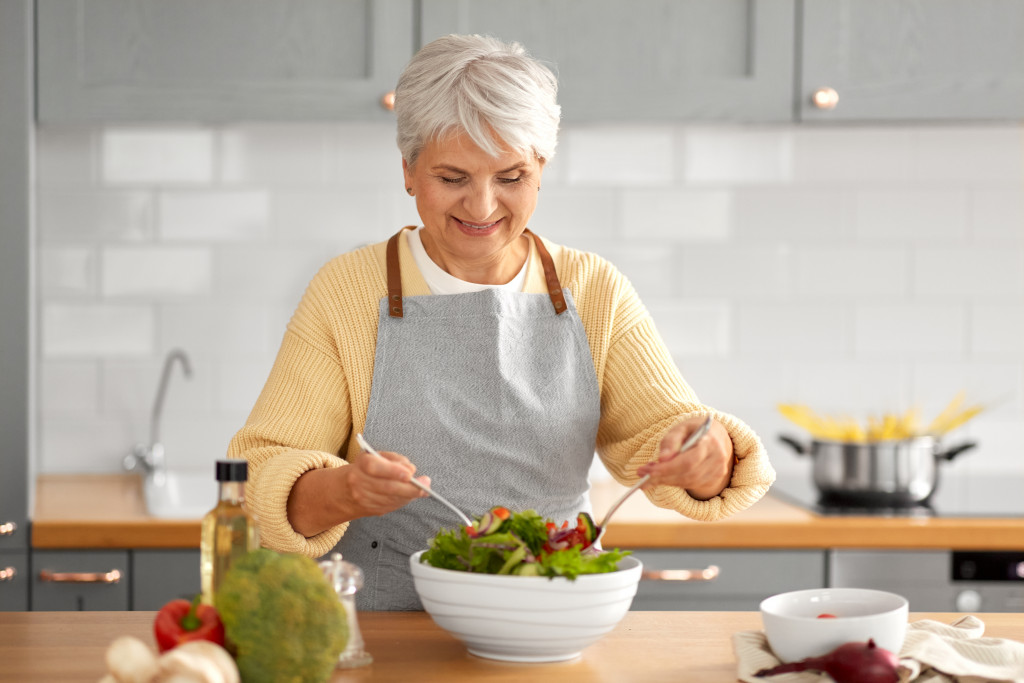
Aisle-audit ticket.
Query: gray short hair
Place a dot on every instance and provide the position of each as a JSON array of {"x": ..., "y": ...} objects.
[{"x": 475, "y": 85}]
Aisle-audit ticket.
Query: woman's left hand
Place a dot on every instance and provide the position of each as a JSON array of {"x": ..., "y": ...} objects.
[{"x": 704, "y": 470}]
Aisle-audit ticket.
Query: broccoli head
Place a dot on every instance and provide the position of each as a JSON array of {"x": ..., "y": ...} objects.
[{"x": 282, "y": 617}]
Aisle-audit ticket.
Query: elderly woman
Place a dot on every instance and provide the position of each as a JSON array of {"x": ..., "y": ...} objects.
[{"x": 473, "y": 353}]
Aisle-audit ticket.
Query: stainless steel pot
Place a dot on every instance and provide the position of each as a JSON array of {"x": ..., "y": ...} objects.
[{"x": 883, "y": 474}]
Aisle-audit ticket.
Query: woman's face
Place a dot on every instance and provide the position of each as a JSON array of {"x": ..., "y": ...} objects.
[{"x": 474, "y": 206}]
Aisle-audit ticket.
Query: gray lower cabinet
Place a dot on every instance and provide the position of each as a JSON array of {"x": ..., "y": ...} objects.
[
  {"x": 744, "y": 578},
  {"x": 14, "y": 581},
  {"x": 159, "y": 576},
  {"x": 657, "y": 60},
  {"x": 80, "y": 580}
]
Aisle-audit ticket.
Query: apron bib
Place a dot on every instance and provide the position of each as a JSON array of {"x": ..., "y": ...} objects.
[{"x": 493, "y": 394}]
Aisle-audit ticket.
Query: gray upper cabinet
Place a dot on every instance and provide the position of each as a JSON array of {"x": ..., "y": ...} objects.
[
  {"x": 657, "y": 60},
  {"x": 913, "y": 59},
  {"x": 16, "y": 141},
  {"x": 219, "y": 60}
]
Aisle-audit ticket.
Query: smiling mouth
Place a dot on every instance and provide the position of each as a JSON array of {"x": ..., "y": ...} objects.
[{"x": 478, "y": 226}]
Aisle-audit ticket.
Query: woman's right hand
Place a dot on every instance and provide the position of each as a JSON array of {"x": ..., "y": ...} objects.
[
  {"x": 369, "y": 486},
  {"x": 379, "y": 485}
]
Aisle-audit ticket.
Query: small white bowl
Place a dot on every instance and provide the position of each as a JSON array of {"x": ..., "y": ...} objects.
[
  {"x": 526, "y": 618},
  {"x": 795, "y": 631}
]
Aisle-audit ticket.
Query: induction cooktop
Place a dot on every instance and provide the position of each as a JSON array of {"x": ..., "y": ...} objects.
[{"x": 989, "y": 495}]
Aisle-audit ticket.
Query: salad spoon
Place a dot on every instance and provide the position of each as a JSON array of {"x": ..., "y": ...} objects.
[
  {"x": 412, "y": 480},
  {"x": 689, "y": 443}
]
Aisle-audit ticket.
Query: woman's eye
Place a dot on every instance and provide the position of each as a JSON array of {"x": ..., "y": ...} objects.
[
  {"x": 509, "y": 181},
  {"x": 451, "y": 181}
]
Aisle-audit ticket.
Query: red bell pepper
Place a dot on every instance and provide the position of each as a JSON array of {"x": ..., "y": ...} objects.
[{"x": 180, "y": 621}]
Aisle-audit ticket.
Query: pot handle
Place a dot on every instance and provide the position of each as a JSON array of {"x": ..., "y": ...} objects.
[
  {"x": 793, "y": 443},
  {"x": 957, "y": 450}
]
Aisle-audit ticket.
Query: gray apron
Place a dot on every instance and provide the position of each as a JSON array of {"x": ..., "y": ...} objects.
[{"x": 493, "y": 394}]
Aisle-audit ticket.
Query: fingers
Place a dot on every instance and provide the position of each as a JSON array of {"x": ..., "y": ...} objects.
[{"x": 705, "y": 467}]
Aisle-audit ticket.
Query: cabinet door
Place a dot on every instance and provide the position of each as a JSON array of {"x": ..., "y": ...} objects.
[
  {"x": 77, "y": 580},
  {"x": 645, "y": 61},
  {"x": 913, "y": 59},
  {"x": 13, "y": 581},
  {"x": 220, "y": 60},
  {"x": 159, "y": 576},
  {"x": 744, "y": 578}
]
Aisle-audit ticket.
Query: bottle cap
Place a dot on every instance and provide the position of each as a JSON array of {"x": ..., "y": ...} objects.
[{"x": 232, "y": 470}]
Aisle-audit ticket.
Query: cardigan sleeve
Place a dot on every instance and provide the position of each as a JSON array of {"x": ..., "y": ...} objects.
[{"x": 643, "y": 395}]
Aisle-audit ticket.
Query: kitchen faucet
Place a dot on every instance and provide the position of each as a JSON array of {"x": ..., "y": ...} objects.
[{"x": 150, "y": 457}]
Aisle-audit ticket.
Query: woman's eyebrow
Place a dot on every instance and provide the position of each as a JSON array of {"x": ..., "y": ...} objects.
[{"x": 456, "y": 169}]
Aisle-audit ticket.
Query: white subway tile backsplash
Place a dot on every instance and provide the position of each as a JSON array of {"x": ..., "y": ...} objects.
[
  {"x": 911, "y": 215},
  {"x": 792, "y": 331},
  {"x": 218, "y": 216},
  {"x": 997, "y": 385},
  {"x": 869, "y": 155},
  {"x": 576, "y": 216},
  {"x": 737, "y": 272},
  {"x": 96, "y": 330},
  {"x": 997, "y": 328},
  {"x": 857, "y": 269},
  {"x": 67, "y": 272},
  {"x": 78, "y": 216},
  {"x": 626, "y": 156},
  {"x": 69, "y": 388},
  {"x": 785, "y": 214},
  {"x": 911, "y": 330},
  {"x": 971, "y": 154},
  {"x": 852, "y": 273},
  {"x": 693, "y": 329},
  {"x": 996, "y": 216},
  {"x": 855, "y": 388},
  {"x": 157, "y": 155},
  {"x": 295, "y": 155},
  {"x": 951, "y": 273},
  {"x": 65, "y": 156},
  {"x": 215, "y": 331},
  {"x": 156, "y": 272},
  {"x": 738, "y": 155},
  {"x": 677, "y": 215}
]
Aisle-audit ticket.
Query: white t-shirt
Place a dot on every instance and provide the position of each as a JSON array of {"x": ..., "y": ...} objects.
[{"x": 440, "y": 282}]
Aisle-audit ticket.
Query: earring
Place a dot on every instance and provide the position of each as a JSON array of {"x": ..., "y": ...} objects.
[{"x": 409, "y": 190}]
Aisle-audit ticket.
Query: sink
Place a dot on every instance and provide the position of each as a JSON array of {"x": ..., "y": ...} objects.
[{"x": 180, "y": 494}]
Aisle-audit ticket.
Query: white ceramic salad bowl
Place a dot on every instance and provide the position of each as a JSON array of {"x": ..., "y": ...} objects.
[{"x": 526, "y": 618}]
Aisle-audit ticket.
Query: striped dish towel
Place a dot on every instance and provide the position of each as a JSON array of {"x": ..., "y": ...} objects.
[{"x": 932, "y": 652}]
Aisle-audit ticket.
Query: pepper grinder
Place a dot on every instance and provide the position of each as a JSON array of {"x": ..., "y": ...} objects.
[{"x": 346, "y": 578}]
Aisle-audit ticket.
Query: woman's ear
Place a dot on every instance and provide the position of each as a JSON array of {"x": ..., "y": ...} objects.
[{"x": 407, "y": 176}]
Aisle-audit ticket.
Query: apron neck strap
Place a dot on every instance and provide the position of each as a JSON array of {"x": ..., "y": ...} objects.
[{"x": 395, "y": 275}]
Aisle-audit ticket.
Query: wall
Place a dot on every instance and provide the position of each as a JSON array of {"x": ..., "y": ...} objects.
[{"x": 858, "y": 270}]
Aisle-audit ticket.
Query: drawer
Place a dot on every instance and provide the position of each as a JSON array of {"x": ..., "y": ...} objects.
[
  {"x": 744, "y": 578},
  {"x": 159, "y": 576},
  {"x": 13, "y": 581},
  {"x": 73, "y": 580}
]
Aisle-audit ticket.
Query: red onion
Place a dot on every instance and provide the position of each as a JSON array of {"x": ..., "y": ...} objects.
[{"x": 849, "y": 663}]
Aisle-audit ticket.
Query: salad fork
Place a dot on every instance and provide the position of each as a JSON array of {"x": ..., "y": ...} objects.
[
  {"x": 689, "y": 443},
  {"x": 412, "y": 480}
]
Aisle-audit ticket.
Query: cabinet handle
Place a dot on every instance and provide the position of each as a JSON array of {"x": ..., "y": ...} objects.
[
  {"x": 710, "y": 573},
  {"x": 113, "y": 576},
  {"x": 825, "y": 98},
  {"x": 8, "y": 574},
  {"x": 388, "y": 101},
  {"x": 8, "y": 528}
]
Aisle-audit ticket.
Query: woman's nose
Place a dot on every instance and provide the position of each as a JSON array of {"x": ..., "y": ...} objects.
[{"x": 480, "y": 202}]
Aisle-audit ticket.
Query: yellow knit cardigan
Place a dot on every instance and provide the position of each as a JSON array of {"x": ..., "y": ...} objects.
[{"x": 318, "y": 390}]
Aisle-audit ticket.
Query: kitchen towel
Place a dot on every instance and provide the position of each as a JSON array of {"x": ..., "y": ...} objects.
[{"x": 932, "y": 652}]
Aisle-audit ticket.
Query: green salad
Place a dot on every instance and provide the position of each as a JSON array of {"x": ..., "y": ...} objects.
[{"x": 523, "y": 544}]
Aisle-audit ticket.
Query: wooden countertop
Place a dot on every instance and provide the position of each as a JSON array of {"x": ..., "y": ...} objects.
[
  {"x": 653, "y": 647},
  {"x": 107, "y": 511}
]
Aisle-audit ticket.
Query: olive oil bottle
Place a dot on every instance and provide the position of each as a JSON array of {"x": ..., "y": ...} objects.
[{"x": 228, "y": 530}]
